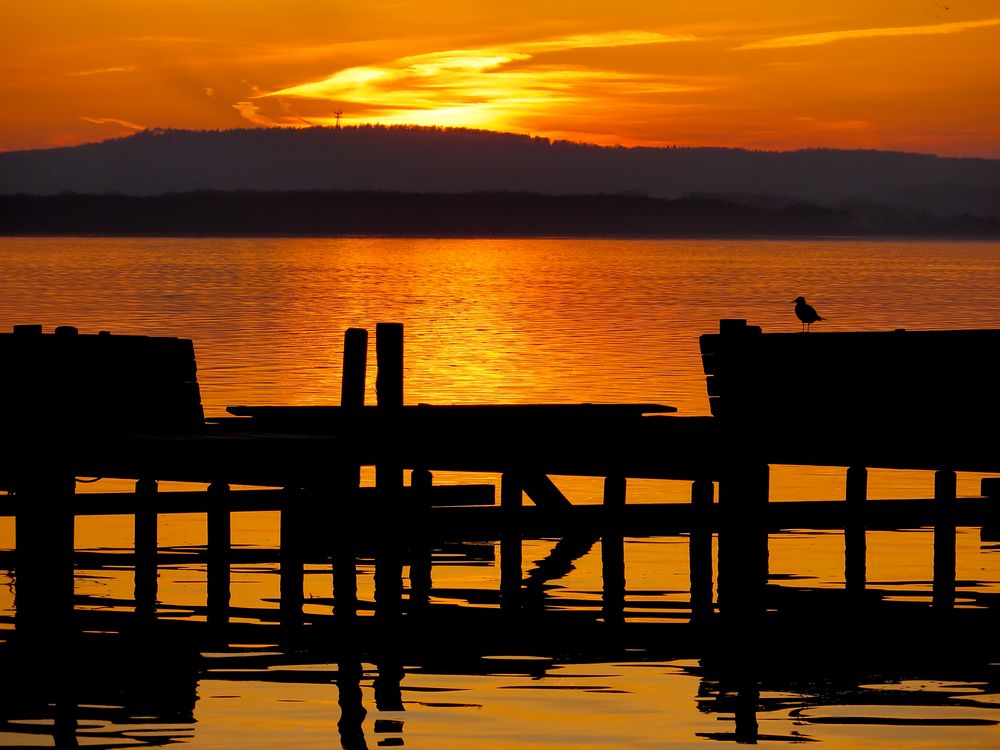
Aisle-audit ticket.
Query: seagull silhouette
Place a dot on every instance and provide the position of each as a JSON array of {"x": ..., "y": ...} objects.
[{"x": 806, "y": 313}]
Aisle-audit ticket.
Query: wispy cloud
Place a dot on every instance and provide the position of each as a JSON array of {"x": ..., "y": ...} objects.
[
  {"x": 829, "y": 37},
  {"x": 114, "y": 121},
  {"x": 102, "y": 71},
  {"x": 480, "y": 87}
]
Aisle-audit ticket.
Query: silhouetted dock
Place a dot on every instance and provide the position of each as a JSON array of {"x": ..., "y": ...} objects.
[{"x": 127, "y": 407}]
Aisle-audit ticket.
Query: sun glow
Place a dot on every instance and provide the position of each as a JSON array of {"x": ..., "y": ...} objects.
[
  {"x": 776, "y": 74},
  {"x": 495, "y": 87}
]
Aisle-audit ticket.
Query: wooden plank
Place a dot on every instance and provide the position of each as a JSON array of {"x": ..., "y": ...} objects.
[{"x": 246, "y": 501}]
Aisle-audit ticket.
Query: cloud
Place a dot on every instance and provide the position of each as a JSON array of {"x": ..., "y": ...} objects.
[
  {"x": 829, "y": 37},
  {"x": 210, "y": 92},
  {"x": 483, "y": 87},
  {"x": 102, "y": 71},
  {"x": 114, "y": 121}
]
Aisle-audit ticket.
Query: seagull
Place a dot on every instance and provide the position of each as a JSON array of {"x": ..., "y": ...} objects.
[{"x": 806, "y": 313}]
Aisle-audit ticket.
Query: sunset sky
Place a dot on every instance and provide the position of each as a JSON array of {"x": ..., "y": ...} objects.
[{"x": 916, "y": 76}]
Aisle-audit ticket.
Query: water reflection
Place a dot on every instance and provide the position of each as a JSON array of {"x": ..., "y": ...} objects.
[{"x": 593, "y": 656}]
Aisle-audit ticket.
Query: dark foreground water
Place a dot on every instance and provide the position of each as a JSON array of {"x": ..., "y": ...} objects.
[{"x": 513, "y": 321}]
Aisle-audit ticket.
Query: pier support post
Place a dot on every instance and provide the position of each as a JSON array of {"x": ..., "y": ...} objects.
[
  {"x": 355, "y": 367},
  {"x": 389, "y": 471},
  {"x": 291, "y": 557},
  {"x": 743, "y": 552},
  {"x": 511, "y": 564},
  {"x": 345, "y": 564},
  {"x": 421, "y": 552},
  {"x": 613, "y": 550},
  {"x": 346, "y": 482},
  {"x": 855, "y": 535},
  {"x": 44, "y": 551},
  {"x": 700, "y": 549},
  {"x": 990, "y": 488},
  {"x": 944, "y": 540},
  {"x": 145, "y": 543},
  {"x": 219, "y": 552}
]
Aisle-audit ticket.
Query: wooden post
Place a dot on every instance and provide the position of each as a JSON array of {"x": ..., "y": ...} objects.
[
  {"x": 700, "y": 550},
  {"x": 292, "y": 570},
  {"x": 990, "y": 487},
  {"x": 389, "y": 470},
  {"x": 44, "y": 551},
  {"x": 352, "y": 386},
  {"x": 145, "y": 546},
  {"x": 345, "y": 580},
  {"x": 511, "y": 563},
  {"x": 613, "y": 551},
  {"x": 219, "y": 549},
  {"x": 743, "y": 553},
  {"x": 855, "y": 536},
  {"x": 389, "y": 360},
  {"x": 346, "y": 482},
  {"x": 421, "y": 481},
  {"x": 944, "y": 540}
]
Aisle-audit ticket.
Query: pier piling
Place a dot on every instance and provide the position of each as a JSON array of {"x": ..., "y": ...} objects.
[
  {"x": 944, "y": 540},
  {"x": 291, "y": 555},
  {"x": 145, "y": 546},
  {"x": 855, "y": 536},
  {"x": 219, "y": 551},
  {"x": 700, "y": 549},
  {"x": 389, "y": 471},
  {"x": 511, "y": 563}
]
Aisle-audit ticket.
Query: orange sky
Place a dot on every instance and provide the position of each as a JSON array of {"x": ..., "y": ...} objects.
[{"x": 918, "y": 76}]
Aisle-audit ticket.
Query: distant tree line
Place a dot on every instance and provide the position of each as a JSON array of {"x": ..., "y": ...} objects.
[{"x": 480, "y": 214}]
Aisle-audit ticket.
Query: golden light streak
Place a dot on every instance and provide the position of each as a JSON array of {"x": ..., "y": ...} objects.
[
  {"x": 102, "y": 71},
  {"x": 487, "y": 87},
  {"x": 829, "y": 37},
  {"x": 114, "y": 121}
]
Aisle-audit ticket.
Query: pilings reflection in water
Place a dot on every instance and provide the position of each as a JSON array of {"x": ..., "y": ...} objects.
[{"x": 47, "y": 639}]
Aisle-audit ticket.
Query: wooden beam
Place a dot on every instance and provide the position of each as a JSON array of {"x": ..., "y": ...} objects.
[{"x": 543, "y": 491}]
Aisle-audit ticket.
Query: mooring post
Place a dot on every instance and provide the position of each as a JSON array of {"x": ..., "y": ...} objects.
[
  {"x": 353, "y": 377},
  {"x": 511, "y": 564},
  {"x": 44, "y": 550},
  {"x": 945, "y": 490},
  {"x": 291, "y": 557},
  {"x": 389, "y": 470},
  {"x": 347, "y": 480},
  {"x": 219, "y": 548},
  {"x": 743, "y": 553},
  {"x": 700, "y": 549},
  {"x": 990, "y": 488},
  {"x": 145, "y": 546},
  {"x": 421, "y": 560},
  {"x": 855, "y": 534},
  {"x": 352, "y": 385}
]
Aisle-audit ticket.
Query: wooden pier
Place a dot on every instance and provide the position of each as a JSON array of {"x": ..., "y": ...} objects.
[{"x": 127, "y": 407}]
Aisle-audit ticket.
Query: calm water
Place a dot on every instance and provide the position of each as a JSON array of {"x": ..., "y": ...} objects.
[{"x": 510, "y": 321}]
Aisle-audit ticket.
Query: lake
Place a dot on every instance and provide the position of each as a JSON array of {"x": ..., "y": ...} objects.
[{"x": 516, "y": 321}]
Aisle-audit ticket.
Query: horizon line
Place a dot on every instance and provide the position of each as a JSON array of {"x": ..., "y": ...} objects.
[{"x": 156, "y": 130}]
